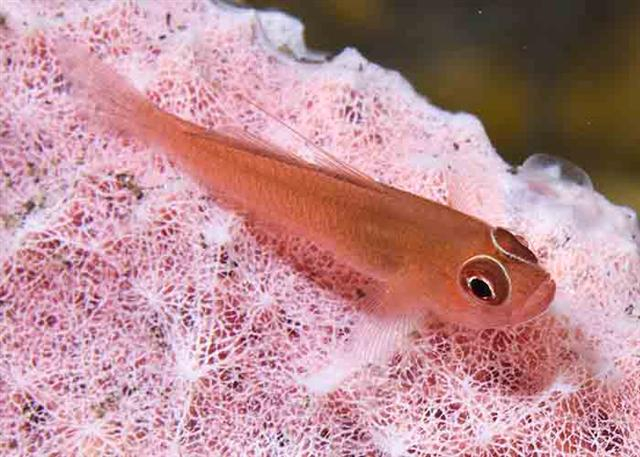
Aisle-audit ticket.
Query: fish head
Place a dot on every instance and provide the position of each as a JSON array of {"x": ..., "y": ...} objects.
[{"x": 496, "y": 283}]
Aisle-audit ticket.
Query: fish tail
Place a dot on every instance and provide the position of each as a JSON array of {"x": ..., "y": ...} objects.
[{"x": 110, "y": 100}]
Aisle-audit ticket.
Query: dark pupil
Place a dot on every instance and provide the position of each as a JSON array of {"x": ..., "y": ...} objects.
[{"x": 480, "y": 288}]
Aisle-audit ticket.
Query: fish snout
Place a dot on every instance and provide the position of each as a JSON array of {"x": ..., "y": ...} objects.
[{"x": 538, "y": 302}]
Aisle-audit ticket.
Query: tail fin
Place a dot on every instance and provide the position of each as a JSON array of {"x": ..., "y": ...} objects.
[{"x": 108, "y": 99}]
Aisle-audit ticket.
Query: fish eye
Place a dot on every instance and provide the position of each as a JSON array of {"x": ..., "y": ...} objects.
[
  {"x": 481, "y": 288},
  {"x": 513, "y": 246},
  {"x": 485, "y": 280}
]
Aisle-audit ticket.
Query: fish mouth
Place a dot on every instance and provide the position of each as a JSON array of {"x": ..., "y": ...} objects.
[{"x": 538, "y": 302}]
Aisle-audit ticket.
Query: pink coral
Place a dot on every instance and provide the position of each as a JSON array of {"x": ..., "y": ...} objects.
[{"x": 137, "y": 317}]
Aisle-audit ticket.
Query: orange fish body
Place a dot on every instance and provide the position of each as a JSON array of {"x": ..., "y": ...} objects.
[{"x": 426, "y": 257}]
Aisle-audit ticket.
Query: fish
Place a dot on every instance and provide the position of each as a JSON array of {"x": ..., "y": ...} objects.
[{"x": 424, "y": 258}]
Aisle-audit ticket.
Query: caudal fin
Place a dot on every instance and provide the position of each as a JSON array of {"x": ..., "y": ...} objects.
[{"x": 107, "y": 98}]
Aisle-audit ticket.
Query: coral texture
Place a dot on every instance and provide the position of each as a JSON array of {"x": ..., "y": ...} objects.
[{"x": 138, "y": 317}]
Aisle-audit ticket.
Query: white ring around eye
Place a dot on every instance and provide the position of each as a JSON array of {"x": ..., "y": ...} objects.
[{"x": 495, "y": 261}]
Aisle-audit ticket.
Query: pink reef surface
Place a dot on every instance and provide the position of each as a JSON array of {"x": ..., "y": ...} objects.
[{"x": 140, "y": 318}]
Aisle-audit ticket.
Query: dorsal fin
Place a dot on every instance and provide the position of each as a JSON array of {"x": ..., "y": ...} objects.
[
  {"x": 324, "y": 162},
  {"x": 322, "y": 158}
]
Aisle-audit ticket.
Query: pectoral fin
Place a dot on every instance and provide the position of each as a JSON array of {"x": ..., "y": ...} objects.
[
  {"x": 374, "y": 341},
  {"x": 390, "y": 299}
]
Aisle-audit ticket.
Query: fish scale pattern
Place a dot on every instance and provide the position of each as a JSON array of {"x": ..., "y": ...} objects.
[{"x": 140, "y": 317}]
